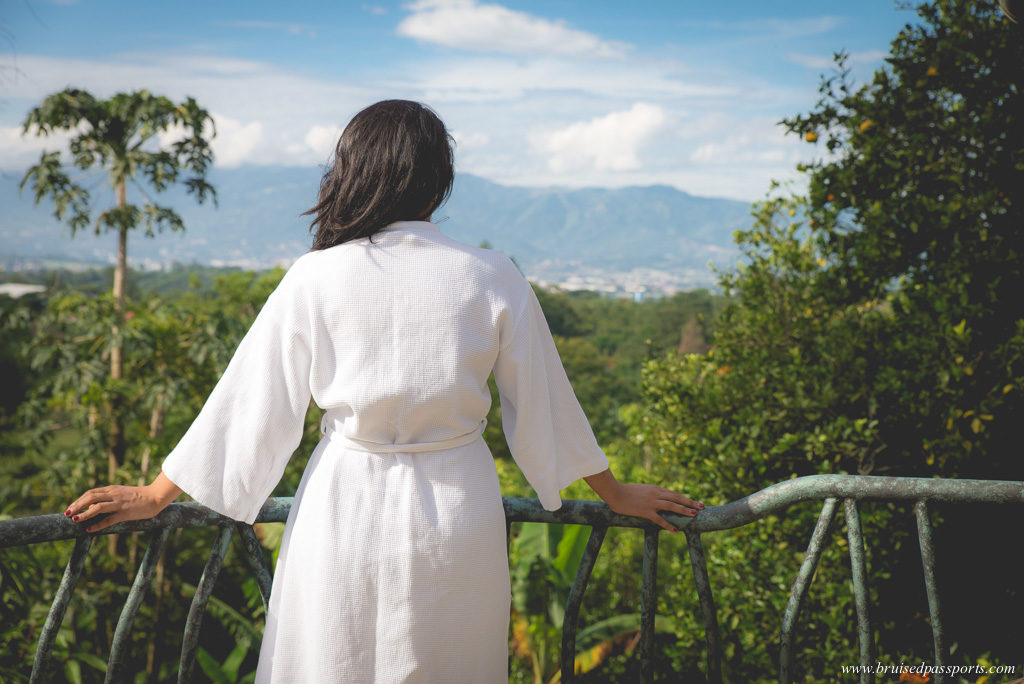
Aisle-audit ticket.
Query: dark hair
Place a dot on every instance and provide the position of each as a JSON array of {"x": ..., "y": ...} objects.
[{"x": 393, "y": 162}]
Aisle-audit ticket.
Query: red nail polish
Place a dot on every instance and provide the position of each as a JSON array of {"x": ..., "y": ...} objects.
[
  {"x": 675, "y": 529},
  {"x": 88, "y": 529},
  {"x": 700, "y": 505},
  {"x": 75, "y": 518},
  {"x": 67, "y": 512}
]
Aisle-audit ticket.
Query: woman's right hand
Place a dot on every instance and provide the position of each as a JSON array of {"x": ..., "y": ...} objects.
[
  {"x": 647, "y": 500},
  {"x": 642, "y": 500}
]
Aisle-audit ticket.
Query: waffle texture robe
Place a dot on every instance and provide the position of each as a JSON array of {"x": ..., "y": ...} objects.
[{"x": 393, "y": 566}]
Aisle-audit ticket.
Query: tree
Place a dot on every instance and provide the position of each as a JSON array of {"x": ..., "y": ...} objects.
[
  {"x": 118, "y": 137},
  {"x": 919, "y": 203},
  {"x": 877, "y": 328}
]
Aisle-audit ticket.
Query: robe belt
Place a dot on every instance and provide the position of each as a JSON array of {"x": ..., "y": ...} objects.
[{"x": 330, "y": 427}]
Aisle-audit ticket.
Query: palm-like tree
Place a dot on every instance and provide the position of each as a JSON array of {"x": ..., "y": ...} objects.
[{"x": 120, "y": 137}]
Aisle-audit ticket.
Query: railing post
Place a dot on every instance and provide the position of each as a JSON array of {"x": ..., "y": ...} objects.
[
  {"x": 254, "y": 555},
  {"x": 924, "y": 538},
  {"x": 122, "y": 633},
  {"x": 204, "y": 588},
  {"x": 567, "y": 660},
  {"x": 860, "y": 589},
  {"x": 72, "y": 572},
  {"x": 800, "y": 586},
  {"x": 648, "y": 601},
  {"x": 712, "y": 638}
]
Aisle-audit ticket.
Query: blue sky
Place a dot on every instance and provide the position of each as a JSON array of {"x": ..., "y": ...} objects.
[{"x": 562, "y": 92}]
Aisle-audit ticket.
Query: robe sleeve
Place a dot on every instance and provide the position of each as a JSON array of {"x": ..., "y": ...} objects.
[
  {"x": 547, "y": 432},
  {"x": 235, "y": 452}
]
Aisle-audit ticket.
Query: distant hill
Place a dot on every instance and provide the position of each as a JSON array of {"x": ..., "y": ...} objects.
[{"x": 550, "y": 232}]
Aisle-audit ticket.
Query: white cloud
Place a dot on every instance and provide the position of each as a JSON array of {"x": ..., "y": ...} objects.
[
  {"x": 524, "y": 121},
  {"x": 262, "y": 112},
  {"x": 19, "y": 151},
  {"x": 502, "y": 78},
  {"x": 235, "y": 142},
  {"x": 606, "y": 143},
  {"x": 322, "y": 139},
  {"x": 233, "y": 145},
  {"x": 470, "y": 141},
  {"x": 468, "y": 25}
]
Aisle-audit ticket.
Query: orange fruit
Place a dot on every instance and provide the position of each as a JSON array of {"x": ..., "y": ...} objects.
[
  {"x": 866, "y": 124},
  {"x": 810, "y": 136}
]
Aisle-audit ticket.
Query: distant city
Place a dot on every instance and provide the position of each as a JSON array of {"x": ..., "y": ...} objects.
[{"x": 633, "y": 242}]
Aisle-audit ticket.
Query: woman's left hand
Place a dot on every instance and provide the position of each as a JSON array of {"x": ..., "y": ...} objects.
[{"x": 120, "y": 502}]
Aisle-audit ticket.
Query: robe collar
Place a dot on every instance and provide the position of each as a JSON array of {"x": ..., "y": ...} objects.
[{"x": 411, "y": 225}]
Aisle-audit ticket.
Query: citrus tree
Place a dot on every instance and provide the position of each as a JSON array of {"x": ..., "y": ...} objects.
[{"x": 877, "y": 328}]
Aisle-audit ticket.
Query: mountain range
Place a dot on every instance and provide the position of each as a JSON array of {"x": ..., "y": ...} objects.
[{"x": 653, "y": 237}]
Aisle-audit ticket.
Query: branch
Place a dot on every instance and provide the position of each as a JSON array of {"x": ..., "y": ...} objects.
[{"x": 49, "y": 180}]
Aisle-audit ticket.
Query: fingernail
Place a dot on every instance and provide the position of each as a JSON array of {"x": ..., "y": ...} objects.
[
  {"x": 700, "y": 505},
  {"x": 88, "y": 529},
  {"x": 75, "y": 518},
  {"x": 674, "y": 529},
  {"x": 67, "y": 512}
]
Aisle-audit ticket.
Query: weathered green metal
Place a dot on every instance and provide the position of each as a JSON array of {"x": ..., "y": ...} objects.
[
  {"x": 800, "y": 585},
  {"x": 827, "y": 488},
  {"x": 258, "y": 563},
  {"x": 190, "y": 641},
  {"x": 777, "y": 497},
  {"x": 122, "y": 639},
  {"x": 924, "y": 538},
  {"x": 707, "y": 604},
  {"x": 648, "y": 601},
  {"x": 860, "y": 589},
  {"x": 567, "y": 660},
  {"x": 60, "y": 604}
]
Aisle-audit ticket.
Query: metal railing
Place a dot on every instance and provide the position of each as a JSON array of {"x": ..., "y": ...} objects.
[{"x": 829, "y": 489}]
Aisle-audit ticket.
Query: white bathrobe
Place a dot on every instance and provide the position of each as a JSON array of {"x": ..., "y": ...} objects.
[{"x": 393, "y": 566}]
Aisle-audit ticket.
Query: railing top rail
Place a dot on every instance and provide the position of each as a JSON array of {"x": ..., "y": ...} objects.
[{"x": 777, "y": 497}]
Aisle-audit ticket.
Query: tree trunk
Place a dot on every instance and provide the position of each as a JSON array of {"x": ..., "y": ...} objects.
[
  {"x": 156, "y": 428},
  {"x": 691, "y": 338},
  {"x": 158, "y": 615},
  {"x": 116, "y": 442}
]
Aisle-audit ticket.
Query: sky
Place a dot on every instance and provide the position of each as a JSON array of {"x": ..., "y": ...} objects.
[{"x": 556, "y": 92}]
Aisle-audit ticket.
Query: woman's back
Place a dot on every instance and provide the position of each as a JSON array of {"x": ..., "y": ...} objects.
[{"x": 406, "y": 331}]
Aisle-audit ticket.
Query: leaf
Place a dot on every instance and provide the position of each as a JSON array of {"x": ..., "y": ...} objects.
[
  {"x": 93, "y": 661},
  {"x": 211, "y": 667},
  {"x": 570, "y": 550},
  {"x": 234, "y": 660},
  {"x": 73, "y": 671},
  {"x": 240, "y": 626}
]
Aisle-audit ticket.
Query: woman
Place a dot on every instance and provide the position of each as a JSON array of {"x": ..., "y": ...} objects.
[{"x": 393, "y": 565}]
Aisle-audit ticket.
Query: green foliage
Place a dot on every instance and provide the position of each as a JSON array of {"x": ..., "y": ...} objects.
[
  {"x": 115, "y": 135},
  {"x": 877, "y": 328},
  {"x": 178, "y": 347},
  {"x": 544, "y": 560}
]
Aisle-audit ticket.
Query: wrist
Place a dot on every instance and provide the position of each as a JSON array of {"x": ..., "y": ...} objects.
[
  {"x": 605, "y": 486},
  {"x": 161, "y": 491}
]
